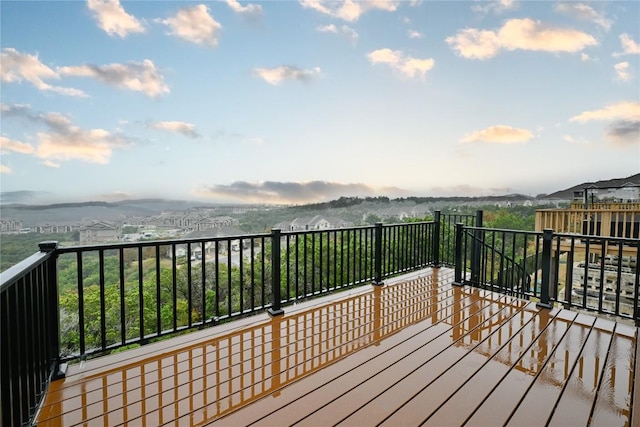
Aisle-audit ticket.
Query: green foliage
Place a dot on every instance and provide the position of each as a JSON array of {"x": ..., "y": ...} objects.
[{"x": 16, "y": 247}]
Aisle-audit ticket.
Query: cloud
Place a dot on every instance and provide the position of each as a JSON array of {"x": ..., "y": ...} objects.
[
  {"x": 629, "y": 46},
  {"x": 585, "y": 57},
  {"x": 289, "y": 192},
  {"x": 499, "y": 134},
  {"x": 624, "y": 132},
  {"x": 16, "y": 67},
  {"x": 51, "y": 164},
  {"x": 497, "y": 6},
  {"x": 345, "y": 31},
  {"x": 64, "y": 141},
  {"x": 116, "y": 196},
  {"x": 250, "y": 9},
  {"x": 572, "y": 140},
  {"x": 186, "y": 129},
  {"x": 625, "y": 110},
  {"x": 113, "y": 19},
  {"x": 583, "y": 12},
  {"x": 349, "y": 10},
  {"x": 518, "y": 34},
  {"x": 136, "y": 76},
  {"x": 5, "y": 170},
  {"x": 622, "y": 71},
  {"x": 465, "y": 190},
  {"x": 404, "y": 64},
  {"x": 195, "y": 25},
  {"x": 275, "y": 76},
  {"x": 12, "y": 146},
  {"x": 624, "y": 126},
  {"x": 415, "y": 34}
]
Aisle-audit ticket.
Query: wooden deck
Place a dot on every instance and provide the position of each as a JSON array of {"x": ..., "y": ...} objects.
[{"x": 418, "y": 351}]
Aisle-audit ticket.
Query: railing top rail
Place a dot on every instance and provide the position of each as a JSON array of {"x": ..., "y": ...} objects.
[
  {"x": 503, "y": 230},
  {"x": 149, "y": 243},
  {"x": 324, "y": 230},
  {"x": 18, "y": 271},
  {"x": 629, "y": 240}
]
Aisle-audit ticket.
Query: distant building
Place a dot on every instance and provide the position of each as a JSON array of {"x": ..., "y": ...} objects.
[
  {"x": 317, "y": 222},
  {"x": 10, "y": 225},
  {"x": 53, "y": 228},
  {"x": 99, "y": 231}
]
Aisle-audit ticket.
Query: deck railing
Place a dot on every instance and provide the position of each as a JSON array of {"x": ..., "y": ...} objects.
[
  {"x": 67, "y": 303},
  {"x": 598, "y": 274},
  {"x": 29, "y": 346}
]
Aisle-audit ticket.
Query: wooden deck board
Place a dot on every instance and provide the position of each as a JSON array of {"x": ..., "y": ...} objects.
[{"x": 419, "y": 351}]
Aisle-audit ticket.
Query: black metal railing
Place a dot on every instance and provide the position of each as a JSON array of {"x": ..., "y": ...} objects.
[
  {"x": 597, "y": 274},
  {"x": 74, "y": 302},
  {"x": 29, "y": 345},
  {"x": 447, "y": 236},
  {"x": 65, "y": 303}
]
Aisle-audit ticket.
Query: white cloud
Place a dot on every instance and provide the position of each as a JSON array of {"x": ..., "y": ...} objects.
[
  {"x": 327, "y": 29},
  {"x": 113, "y": 19},
  {"x": 499, "y": 134},
  {"x": 414, "y": 34},
  {"x": 572, "y": 140},
  {"x": 622, "y": 71},
  {"x": 16, "y": 67},
  {"x": 136, "y": 76},
  {"x": 345, "y": 31},
  {"x": 186, "y": 129},
  {"x": 195, "y": 25},
  {"x": 496, "y": 6},
  {"x": 277, "y": 75},
  {"x": 624, "y": 122},
  {"x": 625, "y": 110},
  {"x": 290, "y": 192},
  {"x": 62, "y": 140},
  {"x": 5, "y": 170},
  {"x": 584, "y": 12},
  {"x": 8, "y": 145},
  {"x": 518, "y": 34},
  {"x": 404, "y": 64},
  {"x": 585, "y": 57},
  {"x": 51, "y": 164},
  {"x": 250, "y": 9},
  {"x": 629, "y": 46},
  {"x": 349, "y": 10}
]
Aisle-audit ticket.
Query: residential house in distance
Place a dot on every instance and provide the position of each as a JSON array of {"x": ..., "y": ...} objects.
[
  {"x": 53, "y": 228},
  {"x": 10, "y": 226},
  {"x": 100, "y": 232},
  {"x": 317, "y": 222}
]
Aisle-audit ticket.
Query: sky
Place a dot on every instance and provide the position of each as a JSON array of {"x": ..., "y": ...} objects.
[{"x": 306, "y": 101}]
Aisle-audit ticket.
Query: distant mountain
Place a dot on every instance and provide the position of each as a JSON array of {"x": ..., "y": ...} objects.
[
  {"x": 24, "y": 197},
  {"x": 608, "y": 183},
  {"x": 66, "y": 213}
]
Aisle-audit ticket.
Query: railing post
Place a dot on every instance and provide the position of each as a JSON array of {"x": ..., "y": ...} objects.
[
  {"x": 476, "y": 249},
  {"x": 377, "y": 262},
  {"x": 276, "y": 309},
  {"x": 457, "y": 279},
  {"x": 58, "y": 370},
  {"x": 547, "y": 239},
  {"x": 436, "y": 240}
]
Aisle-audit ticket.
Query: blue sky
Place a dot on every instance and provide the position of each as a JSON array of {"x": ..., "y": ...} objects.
[{"x": 305, "y": 101}]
